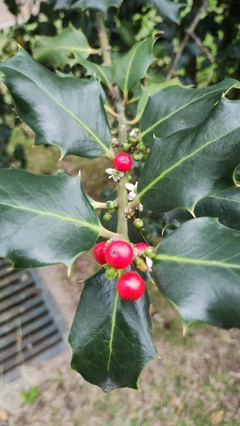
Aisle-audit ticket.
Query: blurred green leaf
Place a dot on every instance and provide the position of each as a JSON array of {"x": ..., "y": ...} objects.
[
  {"x": 58, "y": 51},
  {"x": 130, "y": 68}
]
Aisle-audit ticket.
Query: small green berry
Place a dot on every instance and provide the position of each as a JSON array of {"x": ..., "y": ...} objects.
[
  {"x": 107, "y": 217},
  {"x": 138, "y": 223},
  {"x": 141, "y": 147},
  {"x": 141, "y": 264},
  {"x": 110, "y": 205},
  {"x": 144, "y": 157},
  {"x": 132, "y": 140},
  {"x": 136, "y": 157},
  {"x": 125, "y": 147},
  {"x": 150, "y": 252}
]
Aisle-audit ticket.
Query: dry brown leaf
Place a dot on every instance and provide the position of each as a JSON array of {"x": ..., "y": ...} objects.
[{"x": 216, "y": 417}]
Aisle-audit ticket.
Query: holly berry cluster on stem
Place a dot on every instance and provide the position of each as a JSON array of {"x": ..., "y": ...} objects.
[
  {"x": 116, "y": 256},
  {"x": 119, "y": 257}
]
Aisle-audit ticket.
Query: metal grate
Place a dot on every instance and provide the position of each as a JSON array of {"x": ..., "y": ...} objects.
[{"x": 30, "y": 323}]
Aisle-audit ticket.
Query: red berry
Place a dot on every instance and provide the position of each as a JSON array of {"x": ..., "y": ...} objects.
[
  {"x": 130, "y": 286},
  {"x": 122, "y": 162},
  {"x": 141, "y": 246},
  {"x": 119, "y": 254},
  {"x": 99, "y": 253}
]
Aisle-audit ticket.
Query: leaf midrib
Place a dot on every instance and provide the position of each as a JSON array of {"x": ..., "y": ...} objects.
[
  {"x": 211, "y": 263},
  {"x": 56, "y": 216},
  {"x": 71, "y": 48}
]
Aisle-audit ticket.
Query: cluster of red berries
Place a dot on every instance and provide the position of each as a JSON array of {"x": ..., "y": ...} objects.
[{"x": 119, "y": 255}]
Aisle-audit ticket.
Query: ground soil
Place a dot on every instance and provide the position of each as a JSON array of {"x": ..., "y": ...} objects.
[{"x": 196, "y": 381}]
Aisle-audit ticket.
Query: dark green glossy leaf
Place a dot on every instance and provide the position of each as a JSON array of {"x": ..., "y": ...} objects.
[
  {"x": 198, "y": 269},
  {"x": 193, "y": 163},
  {"x": 61, "y": 111},
  {"x": 44, "y": 219},
  {"x": 167, "y": 9},
  {"x": 152, "y": 89},
  {"x": 176, "y": 108},
  {"x": 110, "y": 338},
  {"x": 224, "y": 205},
  {"x": 103, "y": 73},
  {"x": 102, "y": 5},
  {"x": 57, "y": 50},
  {"x": 130, "y": 68},
  {"x": 173, "y": 219}
]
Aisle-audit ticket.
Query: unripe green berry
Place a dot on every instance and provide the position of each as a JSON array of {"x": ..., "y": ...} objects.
[
  {"x": 125, "y": 147},
  {"x": 144, "y": 157},
  {"x": 107, "y": 216},
  {"x": 150, "y": 252},
  {"x": 138, "y": 223},
  {"x": 110, "y": 205},
  {"x": 141, "y": 147},
  {"x": 132, "y": 140},
  {"x": 136, "y": 157},
  {"x": 141, "y": 264}
]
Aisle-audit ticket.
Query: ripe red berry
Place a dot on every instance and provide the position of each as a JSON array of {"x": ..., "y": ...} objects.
[
  {"x": 99, "y": 253},
  {"x": 130, "y": 286},
  {"x": 122, "y": 162},
  {"x": 141, "y": 246},
  {"x": 119, "y": 254}
]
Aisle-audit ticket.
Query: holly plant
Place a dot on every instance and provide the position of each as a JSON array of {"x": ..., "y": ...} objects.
[{"x": 177, "y": 158}]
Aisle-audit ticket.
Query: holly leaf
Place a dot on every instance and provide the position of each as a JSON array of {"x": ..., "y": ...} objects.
[
  {"x": 59, "y": 50},
  {"x": 176, "y": 108},
  {"x": 130, "y": 68},
  {"x": 102, "y": 5},
  {"x": 102, "y": 73},
  {"x": 224, "y": 205},
  {"x": 44, "y": 219},
  {"x": 61, "y": 111},
  {"x": 110, "y": 338},
  {"x": 197, "y": 268},
  {"x": 192, "y": 163},
  {"x": 168, "y": 10},
  {"x": 152, "y": 89}
]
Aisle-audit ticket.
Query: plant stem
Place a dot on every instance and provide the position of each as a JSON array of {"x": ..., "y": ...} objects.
[
  {"x": 98, "y": 205},
  {"x": 122, "y": 200},
  {"x": 105, "y": 233},
  {"x": 102, "y": 33}
]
